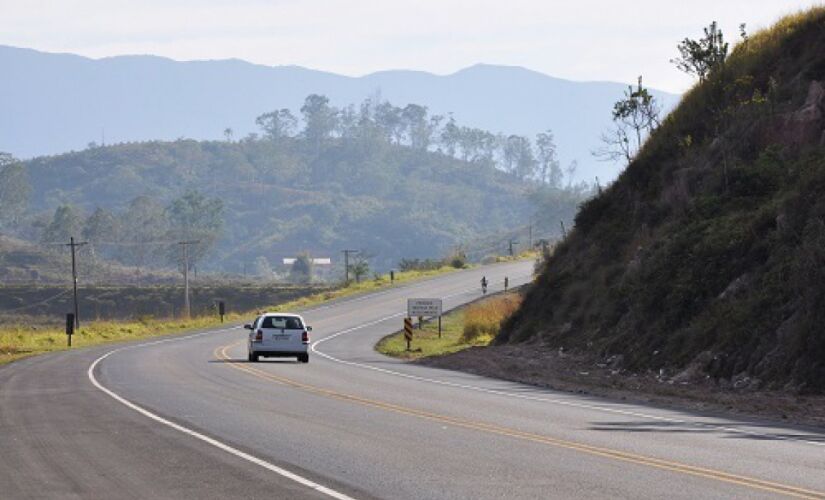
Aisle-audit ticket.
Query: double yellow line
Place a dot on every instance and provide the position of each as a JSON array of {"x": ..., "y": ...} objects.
[{"x": 749, "y": 482}]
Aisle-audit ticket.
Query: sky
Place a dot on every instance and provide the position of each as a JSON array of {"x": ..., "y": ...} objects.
[{"x": 577, "y": 40}]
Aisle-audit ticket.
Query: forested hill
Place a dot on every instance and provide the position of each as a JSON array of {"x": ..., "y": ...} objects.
[
  {"x": 59, "y": 102},
  {"x": 347, "y": 180},
  {"x": 705, "y": 260}
]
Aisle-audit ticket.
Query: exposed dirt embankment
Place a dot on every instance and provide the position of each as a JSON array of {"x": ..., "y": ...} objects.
[{"x": 545, "y": 367}]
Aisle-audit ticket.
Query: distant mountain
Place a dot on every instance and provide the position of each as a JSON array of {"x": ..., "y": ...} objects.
[{"x": 52, "y": 103}]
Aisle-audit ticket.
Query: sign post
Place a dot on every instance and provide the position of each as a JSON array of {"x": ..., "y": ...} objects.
[
  {"x": 70, "y": 327},
  {"x": 221, "y": 309},
  {"x": 408, "y": 331},
  {"x": 429, "y": 308}
]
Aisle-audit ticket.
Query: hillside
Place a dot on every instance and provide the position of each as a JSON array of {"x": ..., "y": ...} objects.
[
  {"x": 706, "y": 258},
  {"x": 23, "y": 262},
  {"x": 59, "y": 102},
  {"x": 274, "y": 199}
]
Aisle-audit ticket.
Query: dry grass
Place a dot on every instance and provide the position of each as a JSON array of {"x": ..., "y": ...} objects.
[
  {"x": 27, "y": 339},
  {"x": 474, "y": 325},
  {"x": 482, "y": 321}
]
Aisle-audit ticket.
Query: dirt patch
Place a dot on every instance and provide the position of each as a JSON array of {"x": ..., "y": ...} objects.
[{"x": 554, "y": 369}]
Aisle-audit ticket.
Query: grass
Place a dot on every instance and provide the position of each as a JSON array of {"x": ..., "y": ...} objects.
[
  {"x": 470, "y": 326},
  {"x": 24, "y": 340}
]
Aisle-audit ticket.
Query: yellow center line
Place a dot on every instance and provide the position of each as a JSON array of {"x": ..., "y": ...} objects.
[{"x": 750, "y": 482}]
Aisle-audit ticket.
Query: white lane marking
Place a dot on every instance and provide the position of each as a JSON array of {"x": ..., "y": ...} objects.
[
  {"x": 605, "y": 409},
  {"x": 197, "y": 435}
]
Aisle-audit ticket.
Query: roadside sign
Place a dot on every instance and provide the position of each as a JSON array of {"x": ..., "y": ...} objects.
[
  {"x": 408, "y": 331},
  {"x": 424, "y": 307}
]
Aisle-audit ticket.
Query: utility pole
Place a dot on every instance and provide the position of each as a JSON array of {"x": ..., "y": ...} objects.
[
  {"x": 185, "y": 246},
  {"x": 530, "y": 233},
  {"x": 511, "y": 242},
  {"x": 74, "y": 245},
  {"x": 346, "y": 264}
]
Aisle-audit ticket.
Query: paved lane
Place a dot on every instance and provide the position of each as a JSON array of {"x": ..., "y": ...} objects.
[{"x": 365, "y": 426}]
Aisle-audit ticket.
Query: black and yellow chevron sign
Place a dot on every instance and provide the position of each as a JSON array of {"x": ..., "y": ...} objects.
[{"x": 408, "y": 329}]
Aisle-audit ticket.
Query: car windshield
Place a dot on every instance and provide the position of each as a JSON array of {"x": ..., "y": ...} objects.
[{"x": 282, "y": 322}]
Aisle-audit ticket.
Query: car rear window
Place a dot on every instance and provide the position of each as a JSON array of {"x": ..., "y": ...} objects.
[{"x": 284, "y": 322}]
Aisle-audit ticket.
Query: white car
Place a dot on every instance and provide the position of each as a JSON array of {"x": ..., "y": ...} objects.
[{"x": 279, "y": 335}]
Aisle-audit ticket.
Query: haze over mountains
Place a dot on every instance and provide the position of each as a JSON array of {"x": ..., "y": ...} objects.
[{"x": 59, "y": 102}]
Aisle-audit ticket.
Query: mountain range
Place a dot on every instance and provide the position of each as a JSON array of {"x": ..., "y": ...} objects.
[{"x": 53, "y": 103}]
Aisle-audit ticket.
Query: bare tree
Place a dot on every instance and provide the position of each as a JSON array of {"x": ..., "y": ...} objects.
[{"x": 635, "y": 116}]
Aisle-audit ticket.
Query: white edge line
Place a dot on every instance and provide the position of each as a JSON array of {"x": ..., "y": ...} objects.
[
  {"x": 560, "y": 402},
  {"x": 197, "y": 435}
]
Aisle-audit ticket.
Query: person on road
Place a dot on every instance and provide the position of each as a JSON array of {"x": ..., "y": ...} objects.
[{"x": 484, "y": 285}]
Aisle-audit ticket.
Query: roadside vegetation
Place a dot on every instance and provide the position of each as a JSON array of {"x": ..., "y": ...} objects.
[
  {"x": 474, "y": 325},
  {"x": 704, "y": 261},
  {"x": 31, "y": 336}
]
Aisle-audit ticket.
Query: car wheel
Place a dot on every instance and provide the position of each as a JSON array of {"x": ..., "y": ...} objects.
[
  {"x": 254, "y": 357},
  {"x": 303, "y": 358},
  {"x": 249, "y": 356}
]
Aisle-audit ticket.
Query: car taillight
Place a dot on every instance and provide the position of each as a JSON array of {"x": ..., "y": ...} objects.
[
  {"x": 305, "y": 337},
  {"x": 259, "y": 337}
]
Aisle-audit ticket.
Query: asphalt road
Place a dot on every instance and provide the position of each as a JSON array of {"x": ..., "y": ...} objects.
[{"x": 188, "y": 417}]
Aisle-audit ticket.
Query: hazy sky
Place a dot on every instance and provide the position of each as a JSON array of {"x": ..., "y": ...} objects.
[{"x": 578, "y": 39}]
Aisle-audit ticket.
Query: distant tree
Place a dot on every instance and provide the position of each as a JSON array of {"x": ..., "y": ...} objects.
[
  {"x": 476, "y": 144},
  {"x": 144, "y": 225},
  {"x": 571, "y": 172},
  {"x": 418, "y": 128},
  {"x": 450, "y": 135},
  {"x": 195, "y": 217},
  {"x": 359, "y": 268},
  {"x": 262, "y": 268},
  {"x": 14, "y": 191},
  {"x": 228, "y": 133},
  {"x": 703, "y": 56},
  {"x": 277, "y": 124},
  {"x": 65, "y": 223},
  {"x": 319, "y": 120},
  {"x": 348, "y": 122},
  {"x": 519, "y": 158},
  {"x": 100, "y": 227},
  {"x": 389, "y": 121},
  {"x": 301, "y": 271},
  {"x": 549, "y": 169}
]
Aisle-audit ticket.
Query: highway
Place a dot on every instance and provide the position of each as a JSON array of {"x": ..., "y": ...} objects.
[{"x": 188, "y": 417}]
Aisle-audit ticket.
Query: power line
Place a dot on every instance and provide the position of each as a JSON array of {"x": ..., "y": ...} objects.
[{"x": 42, "y": 302}]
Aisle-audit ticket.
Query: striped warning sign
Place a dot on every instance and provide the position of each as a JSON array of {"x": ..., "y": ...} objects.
[{"x": 408, "y": 329}]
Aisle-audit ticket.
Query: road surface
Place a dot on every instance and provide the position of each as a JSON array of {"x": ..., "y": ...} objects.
[{"x": 189, "y": 417}]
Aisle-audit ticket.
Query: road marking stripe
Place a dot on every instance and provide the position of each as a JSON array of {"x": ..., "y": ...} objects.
[
  {"x": 572, "y": 404},
  {"x": 754, "y": 483},
  {"x": 197, "y": 435}
]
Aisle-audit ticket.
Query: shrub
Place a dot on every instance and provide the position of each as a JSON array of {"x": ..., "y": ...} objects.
[{"x": 483, "y": 320}]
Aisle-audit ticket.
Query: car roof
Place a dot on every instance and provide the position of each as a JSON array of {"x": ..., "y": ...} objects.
[{"x": 291, "y": 315}]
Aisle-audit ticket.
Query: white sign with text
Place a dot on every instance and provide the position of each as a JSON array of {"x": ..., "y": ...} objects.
[{"x": 423, "y": 307}]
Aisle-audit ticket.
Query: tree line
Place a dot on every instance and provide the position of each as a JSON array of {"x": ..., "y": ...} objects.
[
  {"x": 145, "y": 234},
  {"x": 413, "y": 126}
]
